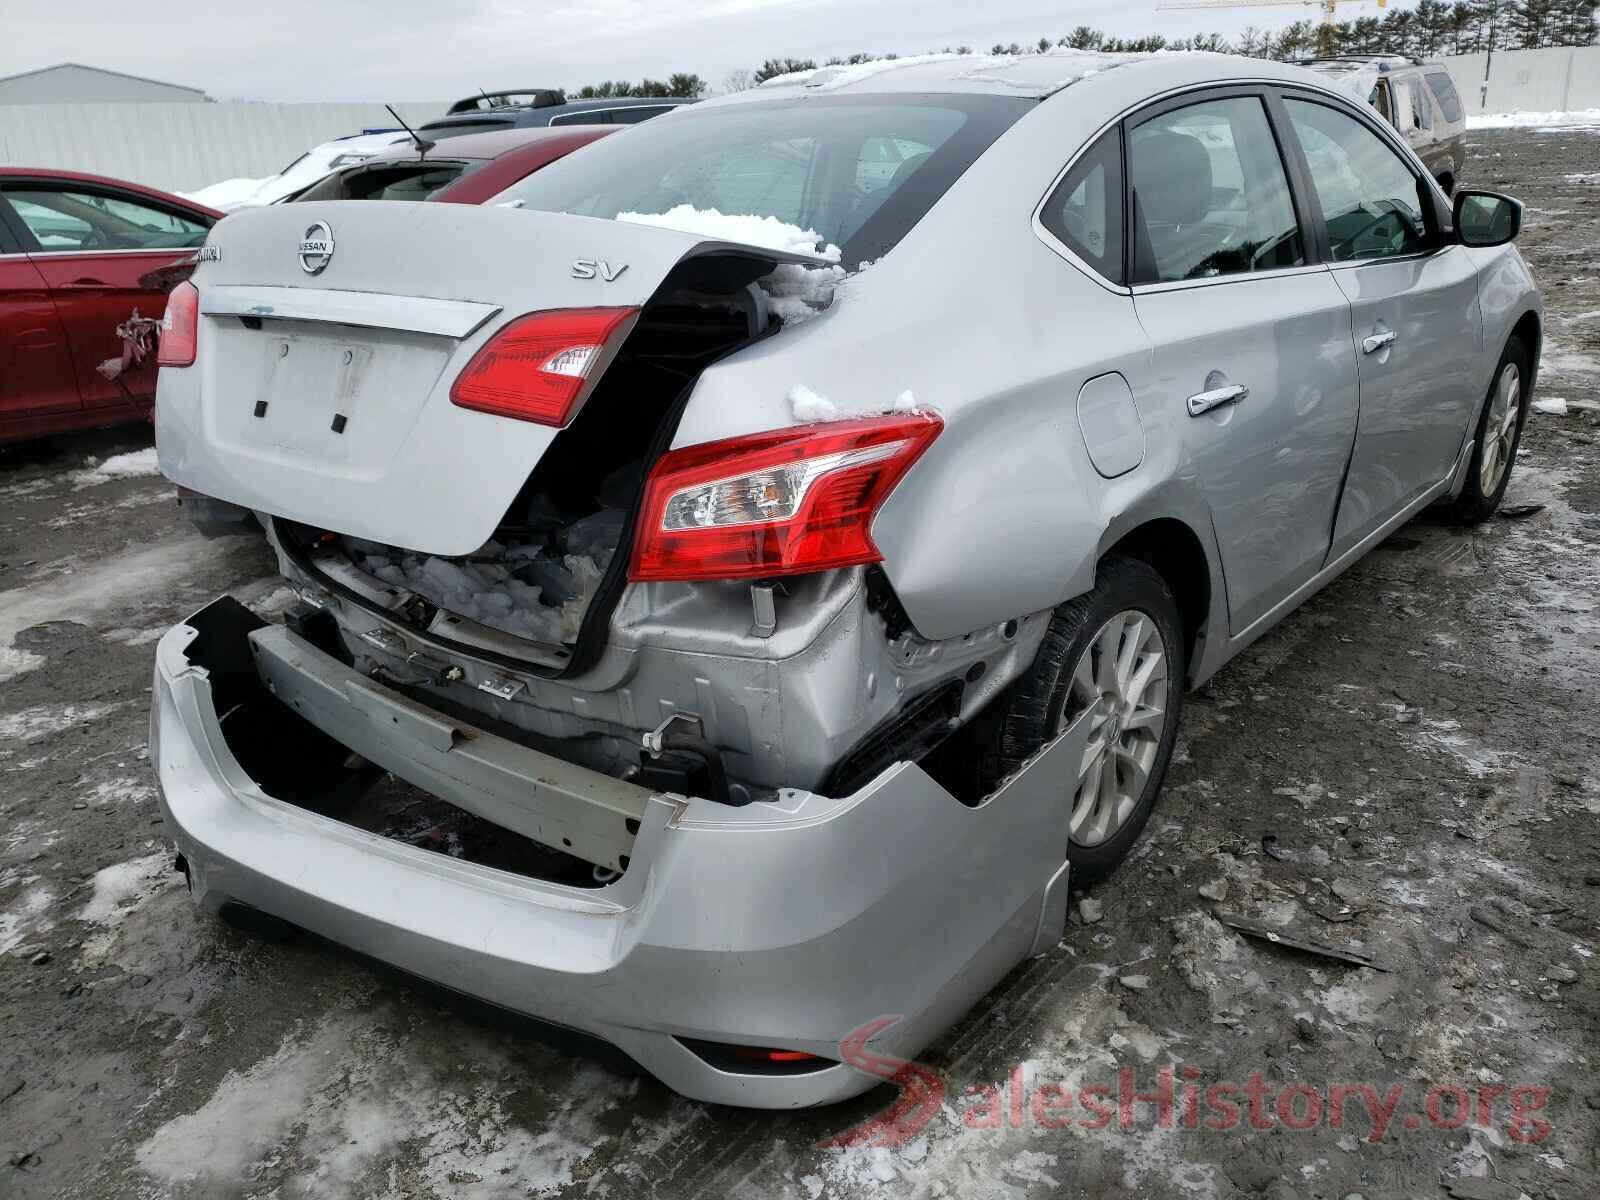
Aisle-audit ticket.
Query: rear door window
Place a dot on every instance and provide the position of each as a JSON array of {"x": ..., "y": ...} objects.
[
  {"x": 1085, "y": 210},
  {"x": 1444, "y": 91},
  {"x": 1369, "y": 197},
  {"x": 1210, "y": 194}
]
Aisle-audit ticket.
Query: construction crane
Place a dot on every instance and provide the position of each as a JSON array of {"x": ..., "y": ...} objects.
[{"x": 1325, "y": 33}]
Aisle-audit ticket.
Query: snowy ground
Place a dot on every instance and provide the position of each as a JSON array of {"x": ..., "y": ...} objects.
[{"x": 1416, "y": 748}]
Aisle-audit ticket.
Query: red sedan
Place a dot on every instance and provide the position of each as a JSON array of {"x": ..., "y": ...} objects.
[
  {"x": 461, "y": 170},
  {"x": 77, "y": 253}
]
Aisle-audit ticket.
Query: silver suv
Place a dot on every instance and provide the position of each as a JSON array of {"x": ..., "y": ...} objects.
[
  {"x": 745, "y": 585},
  {"x": 1418, "y": 98}
]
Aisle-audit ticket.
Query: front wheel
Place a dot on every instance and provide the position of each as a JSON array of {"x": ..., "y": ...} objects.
[
  {"x": 1496, "y": 438},
  {"x": 1116, "y": 653}
]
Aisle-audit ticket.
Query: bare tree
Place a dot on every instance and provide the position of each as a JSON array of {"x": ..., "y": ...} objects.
[{"x": 740, "y": 79}]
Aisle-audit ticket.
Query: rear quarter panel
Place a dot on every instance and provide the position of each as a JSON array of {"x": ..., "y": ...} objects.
[{"x": 986, "y": 324}]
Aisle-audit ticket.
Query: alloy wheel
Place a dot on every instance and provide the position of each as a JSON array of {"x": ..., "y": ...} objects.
[
  {"x": 1500, "y": 431},
  {"x": 1121, "y": 679}
]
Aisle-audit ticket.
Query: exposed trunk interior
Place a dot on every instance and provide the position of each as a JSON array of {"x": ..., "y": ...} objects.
[
  {"x": 298, "y": 764},
  {"x": 554, "y": 565}
]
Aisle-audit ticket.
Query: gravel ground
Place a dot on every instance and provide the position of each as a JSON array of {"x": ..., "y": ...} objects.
[{"x": 1407, "y": 766}]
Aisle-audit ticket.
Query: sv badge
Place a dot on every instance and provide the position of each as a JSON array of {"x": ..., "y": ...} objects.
[{"x": 596, "y": 268}]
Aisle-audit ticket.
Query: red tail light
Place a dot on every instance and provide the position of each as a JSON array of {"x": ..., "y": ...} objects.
[
  {"x": 786, "y": 502},
  {"x": 179, "y": 327},
  {"x": 541, "y": 366}
]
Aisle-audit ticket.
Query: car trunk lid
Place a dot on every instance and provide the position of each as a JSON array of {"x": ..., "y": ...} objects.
[{"x": 321, "y": 388}]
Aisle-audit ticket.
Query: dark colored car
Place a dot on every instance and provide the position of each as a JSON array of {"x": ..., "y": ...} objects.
[
  {"x": 78, "y": 254},
  {"x": 463, "y": 170},
  {"x": 1418, "y": 98},
  {"x": 523, "y": 108}
]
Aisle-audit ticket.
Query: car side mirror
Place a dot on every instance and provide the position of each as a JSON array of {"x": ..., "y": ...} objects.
[{"x": 1486, "y": 218}]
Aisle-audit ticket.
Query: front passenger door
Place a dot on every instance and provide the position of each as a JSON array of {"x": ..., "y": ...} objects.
[{"x": 1415, "y": 319}]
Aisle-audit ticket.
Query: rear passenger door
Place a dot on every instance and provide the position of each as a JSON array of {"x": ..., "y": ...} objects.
[
  {"x": 1251, "y": 336},
  {"x": 1414, "y": 311}
]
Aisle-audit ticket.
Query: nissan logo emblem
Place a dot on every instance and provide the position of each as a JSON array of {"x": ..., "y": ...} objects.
[{"x": 316, "y": 248}]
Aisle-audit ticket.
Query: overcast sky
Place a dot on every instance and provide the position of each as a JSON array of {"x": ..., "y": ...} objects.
[{"x": 442, "y": 49}]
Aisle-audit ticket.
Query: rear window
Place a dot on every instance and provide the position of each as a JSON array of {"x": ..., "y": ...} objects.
[
  {"x": 402, "y": 181},
  {"x": 859, "y": 170},
  {"x": 1444, "y": 90}
]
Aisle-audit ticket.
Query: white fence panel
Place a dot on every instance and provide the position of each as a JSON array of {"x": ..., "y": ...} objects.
[
  {"x": 1555, "y": 79},
  {"x": 183, "y": 147}
]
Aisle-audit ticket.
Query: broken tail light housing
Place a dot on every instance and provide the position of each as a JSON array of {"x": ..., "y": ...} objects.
[
  {"x": 180, "y": 327},
  {"x": 540, "y": 367},
  {"x": 786, "y": 502}
]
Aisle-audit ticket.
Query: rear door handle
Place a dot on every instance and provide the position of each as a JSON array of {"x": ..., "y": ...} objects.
[
  {"x": 1377, "y": 341},
  {"x": 1204, "y": 402}
]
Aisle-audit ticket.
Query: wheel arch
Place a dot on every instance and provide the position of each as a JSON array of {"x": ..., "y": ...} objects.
[
  {"x": 1530, "y": 331},
  {"x": 1176, "y": 552}
]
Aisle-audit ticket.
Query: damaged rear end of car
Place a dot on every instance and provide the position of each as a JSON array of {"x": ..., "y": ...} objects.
[{"x": 627, "y": 736}]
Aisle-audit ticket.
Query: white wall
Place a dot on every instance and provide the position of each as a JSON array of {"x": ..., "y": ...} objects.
[
  {"x": 182, "y": 147},
  {"x": 1557, "y": 79}
]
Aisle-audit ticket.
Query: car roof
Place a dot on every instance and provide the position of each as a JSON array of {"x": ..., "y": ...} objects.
[
  {"x": 57, "y": 175},
  {"x": 1022, "y": 75},
  {"x": 487, "y": 145}
]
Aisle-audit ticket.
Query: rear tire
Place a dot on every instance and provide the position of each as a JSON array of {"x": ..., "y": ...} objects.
[
  {"x": 1118, "y": 648},
  {"x": 1496, "y": 438}
]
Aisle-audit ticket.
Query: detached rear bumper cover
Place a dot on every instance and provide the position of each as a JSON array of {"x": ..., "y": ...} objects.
[{"x": 784, "y": 925}]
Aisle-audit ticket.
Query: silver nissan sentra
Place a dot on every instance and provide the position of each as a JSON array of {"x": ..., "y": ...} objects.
[{"x": 753, "y": 566}]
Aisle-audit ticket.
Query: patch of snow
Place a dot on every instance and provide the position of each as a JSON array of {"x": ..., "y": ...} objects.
[
  {"x": 23, "y": 917},
  {"x": 14, "y": 662},
  {"x": 840, "y": 75},
  {"x": 135, "y": 637},
  {"x": 1590, "y": 177},
  {"x": 37, "y": 723},
  {"x": 1557, "y": 361},
  {"x": 134, "y": 465},
  {"x": 1356, "y": 79},
  {"x": 1556, "y": 406},
  {"x": 333, "y": 1104},
  {"x": 121, "y": 887},
  {"x": 229, "y": 194},
  {"x": 1582, "y": 118},
  {"x": 747, "y": 229},
  {"x": 526, "y": 589},
  {"x": 141, "y": 575},
  {"x": 1069, "y": 66},
  {"x": 122, "y": 790},
  {"x": 795, "y": 291},
  {"x": 807, "y": 406},
  {"x": 76, "y": 514}
]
